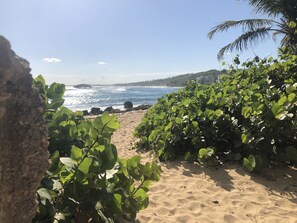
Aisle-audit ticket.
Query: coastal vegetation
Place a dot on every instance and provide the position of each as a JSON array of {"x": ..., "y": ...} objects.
[
  {"x": 249, "y": 117},
  {"x": 87, "y": 181},
  {"x": 246, "y": 114},
  {"x": 205, "y": 77}
]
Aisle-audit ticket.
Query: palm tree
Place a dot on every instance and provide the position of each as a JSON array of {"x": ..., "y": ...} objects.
[{"x": 282, "y": 21}]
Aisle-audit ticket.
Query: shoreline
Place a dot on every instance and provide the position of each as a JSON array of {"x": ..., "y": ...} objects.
[{"x": 97, "y": 111}]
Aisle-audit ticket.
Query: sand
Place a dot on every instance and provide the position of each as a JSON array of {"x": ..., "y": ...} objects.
[{"x": 189, "y": 193}]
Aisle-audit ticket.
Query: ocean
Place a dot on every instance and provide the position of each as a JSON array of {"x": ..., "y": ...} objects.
[{"x": 115, "y": 96}]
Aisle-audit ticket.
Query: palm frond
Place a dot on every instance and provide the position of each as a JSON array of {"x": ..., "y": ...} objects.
[
  {"x": 283, "y": 8},
  {"x": 245, "y": 40},
  {"x": 271, "y": 8},
  {"x": 247, "y": 25}
]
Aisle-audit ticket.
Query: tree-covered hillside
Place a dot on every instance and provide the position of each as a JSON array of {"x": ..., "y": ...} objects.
[{"x": 180, "y": 80}]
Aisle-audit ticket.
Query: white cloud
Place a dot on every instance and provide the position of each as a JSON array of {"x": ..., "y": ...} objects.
[
  {"x": 52, "y": 60},
  {"x": 102, "y": 63}
]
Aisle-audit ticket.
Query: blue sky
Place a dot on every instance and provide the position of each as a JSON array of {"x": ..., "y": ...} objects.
[{"x": 117, "y": 41}]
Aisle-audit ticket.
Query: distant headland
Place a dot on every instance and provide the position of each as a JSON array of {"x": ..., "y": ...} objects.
[
  {"x": 205, "y": 77},
  {"x": 82, "y": 86}
]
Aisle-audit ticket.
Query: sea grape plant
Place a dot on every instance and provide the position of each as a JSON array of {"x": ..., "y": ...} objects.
[
  {"x": 87, "y": 181},
  {"x": 248, "y": 116}
]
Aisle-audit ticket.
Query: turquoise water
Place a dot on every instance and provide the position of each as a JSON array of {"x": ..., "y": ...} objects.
[{"x": 104, "y": 96}]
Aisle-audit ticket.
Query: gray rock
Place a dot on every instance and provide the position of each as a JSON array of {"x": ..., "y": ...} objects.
[
  {"x": 128, "y": 104},
  {"x": 95, "y": 111},
  {"x": 142, "y": 107},
  {"x": 23, "y": 138},
  {"x": 85, "y": 112},
  {"x": 109, "y": 109}
]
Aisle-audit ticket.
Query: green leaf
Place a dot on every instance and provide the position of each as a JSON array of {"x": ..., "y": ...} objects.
[
  {"x": 110, "y": 173},
  {"x": 291, "y": 97},
  {"x": 109, "y": 157},
  {"x": 39, "y": 79},
  {"x": 276, "y": 109},
  {"x": 67, "y": 161},
  {"x": 195, "y": 124},
  {"x": 55, "y": 104},
  {"x": 282, "y": 100},
  {"x": 110, "y": 121},
  {"x": 244, "y": 138},
  {"x": 219, "y": 112},
  {"x": 202, "y": 153},
  {"x": 142, "y": 198},
  {"x": 44, "y": 195},
  {"x": 186, "y": 102},
  {"x": 56, "y": 91},
  {"x": 118, "y": 201},
  {"x": 246, "y": 111},
  {"x": 76, "y": 153},
  {"x": 291, "y": 89},
  {"x": 85, "y": 165},
  {"x": 249, "y": 163},
  {"x": 168, "y": 127}
]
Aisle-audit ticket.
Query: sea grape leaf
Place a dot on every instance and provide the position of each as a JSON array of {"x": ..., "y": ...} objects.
[
  {"x": 110, "y": 173},
  {"x": 244, "y": 138},
  {"x": 85, "y": 165},
  {"x": 67, "y": 161},
  {"x": 110, "y": 121},
  {"x": 249, "y": 163},
  {"x": 186, "y": 102},
  {"x": 55, "y": 104},
  {"x": 282, "y": 100},
  {"x": 219, "y": 112},
  {"x": 44, "y": 195},
  {"x": 75, "y": 153},
  {"x": 291, "y": 97},
  {"x": 109, "y": 157},
  {"x": 246, "y": 111},
  {"x": 202, "y": 153},
  {"x": 56, "y": 91},
  {"x": 168, "y": 126},
  {"x": 118, "y": 201},
  {"x": 276, "y": 109},
  {"x": 142, "y": 198}
]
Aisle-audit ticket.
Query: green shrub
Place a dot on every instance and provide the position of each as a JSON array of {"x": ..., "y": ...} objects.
[
  {"x": 249, "y": 116},
  {"x": 87, "y": 182}
]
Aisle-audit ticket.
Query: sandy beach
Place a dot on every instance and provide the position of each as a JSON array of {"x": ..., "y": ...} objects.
[{"x": 189, "y": 193}]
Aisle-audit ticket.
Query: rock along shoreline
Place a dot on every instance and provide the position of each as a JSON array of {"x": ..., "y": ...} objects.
[{"x": 110, "y": 109}]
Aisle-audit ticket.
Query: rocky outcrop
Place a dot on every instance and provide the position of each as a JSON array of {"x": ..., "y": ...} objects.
[
  {"x": 83, "y": 86},
  {"x": 142, "y": 107},
  {"x": 23, "y": 138}
]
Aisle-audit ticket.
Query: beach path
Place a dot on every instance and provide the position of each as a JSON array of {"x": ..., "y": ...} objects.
[{"x": 189, "y": 193}]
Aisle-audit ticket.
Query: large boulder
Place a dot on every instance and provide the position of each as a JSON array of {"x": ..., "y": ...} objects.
[
  {"x": 128, "y": 104},
  {"x": 23, "y": 138},
  {"x": 85, "y": 112},
  {"x": 109, "y": 109},
  {"x": 95, "y": 111}
]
